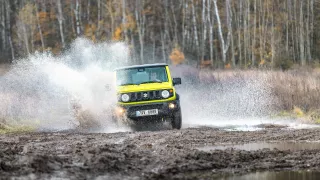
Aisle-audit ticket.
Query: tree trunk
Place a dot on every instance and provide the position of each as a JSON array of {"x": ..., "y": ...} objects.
[
  {"x": 272, "y": 36},
  {"x": 99, "y": 14},
  {"x": 124, "y": 20},
  {"x": 184, "y": 29},
  {"x": 254, "y": 34},
  {"x": 8, "y": 17},
  {"x": 166, "y": 28},
  {"x": 309, "y": 57},
  {"x": 25, "y": 38},
  {"x": 301, "y": 34},
  {"x": 72, "y": 19},
  {"x": 239, "y": 33},
  {"x": 77, "y": 15},
  {"x": 204, "y": 27},
  {"x": 39, "y": 26},
  {"x": 88, "y": 10},
  {"x": 224, "y": 46},
  {"x": 60, "y": 20},
  {"x": 210, "y": 31},
  {"x": 287, "y": 28},
  {"x": 175, "y": 22},
  {"x": 154, "y": 49},
  {"x": 3, "y": 28},
  {"x": 163, "y": 48},
  {"x": 140, "y": 19},
  {"x": 195, "y": 29},
  {"x": 109, "y": 9}
]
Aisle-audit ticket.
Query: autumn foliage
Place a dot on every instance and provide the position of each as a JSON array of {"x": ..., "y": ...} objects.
[
  {"x": 176, "y": 56},
  {"x": 246, "y": 34}
]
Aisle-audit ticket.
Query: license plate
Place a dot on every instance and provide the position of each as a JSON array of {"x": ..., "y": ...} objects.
[{"x": 147, "y": 112}]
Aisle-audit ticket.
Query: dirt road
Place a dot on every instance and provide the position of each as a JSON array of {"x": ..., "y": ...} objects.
[{"x": 151, "y": 155}]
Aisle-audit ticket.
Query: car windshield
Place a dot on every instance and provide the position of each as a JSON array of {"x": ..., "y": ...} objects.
[{"x": 141, "y": 75}]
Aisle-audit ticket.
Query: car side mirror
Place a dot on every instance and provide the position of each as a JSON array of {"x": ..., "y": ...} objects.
[{"x": 176, "y": 81}]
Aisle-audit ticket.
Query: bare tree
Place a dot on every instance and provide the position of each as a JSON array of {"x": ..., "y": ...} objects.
[
  {"x": 99, "y": 14},
  {"x": 124, "y": 20},
  {"x": 77, "y": 15},
  {"x": 39, "y": 26},
  {"x": 195, "y": 28},
  {"x": 3, "y": 26},
  {"x": 224, "y": 45},
  {"x": 8, "y": 10},
  {"x": 141, "y": 20},
  {"x": 60, "y": 20},
  {"x": 210, "y": 29},
  {"x": 301, "y": 35}
]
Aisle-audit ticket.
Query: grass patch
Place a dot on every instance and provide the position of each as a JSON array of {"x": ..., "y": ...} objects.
[
  {"x": 15, "y": 127},
  {"x": 312, "y": 116}
]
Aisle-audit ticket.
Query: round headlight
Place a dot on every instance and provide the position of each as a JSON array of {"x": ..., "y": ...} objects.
[
  {"x": 125, "y": 97},
  {"x": 165, "y": 94}
]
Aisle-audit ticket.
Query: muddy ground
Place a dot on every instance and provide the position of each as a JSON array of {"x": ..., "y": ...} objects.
[{"x": 168, "y": 154}]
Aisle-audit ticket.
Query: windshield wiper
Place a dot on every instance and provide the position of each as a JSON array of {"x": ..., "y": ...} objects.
[
  {"x": 151, "y": 82},
  {"x": 126, "y": 84}
]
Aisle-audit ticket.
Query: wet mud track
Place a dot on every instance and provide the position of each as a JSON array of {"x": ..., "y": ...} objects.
[{"x": 169, "y": 154}]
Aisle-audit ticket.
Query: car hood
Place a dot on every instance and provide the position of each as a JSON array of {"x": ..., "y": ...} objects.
[{"x": 144, "y": 87}]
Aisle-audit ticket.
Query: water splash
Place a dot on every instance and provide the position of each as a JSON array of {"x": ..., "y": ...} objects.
[
  {"x": 236, "y": 101},
  {"x": 41, "y": 89}
]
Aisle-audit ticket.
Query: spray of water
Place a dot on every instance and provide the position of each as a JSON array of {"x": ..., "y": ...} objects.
[
  {"x": 68, "y": 91},
  {"x": 223, "y": 103},
  {"x": 243, "y": 101}
]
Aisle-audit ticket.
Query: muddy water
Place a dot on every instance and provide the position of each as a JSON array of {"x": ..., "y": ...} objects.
[
  {"x": 293, "y": 146},
  {"x": 167, "y": 154},
  {"x": 292, "y": 175}
]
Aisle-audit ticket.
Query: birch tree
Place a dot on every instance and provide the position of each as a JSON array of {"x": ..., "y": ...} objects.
[
  {"x": 60, "y": 20},
  {"x": 77, "y": 16},
  {"x": 224, "y": 45}
]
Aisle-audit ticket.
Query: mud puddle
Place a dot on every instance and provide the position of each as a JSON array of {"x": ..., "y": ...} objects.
[
  {"x": 250, "y": 124},
  {"x": 292, "y": 175},
  {"x": 282, "y": 146},
  {"x": 170, "y": 154}
]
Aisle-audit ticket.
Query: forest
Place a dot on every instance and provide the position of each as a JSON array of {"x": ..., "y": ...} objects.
[{"x": 217, "y": 34}]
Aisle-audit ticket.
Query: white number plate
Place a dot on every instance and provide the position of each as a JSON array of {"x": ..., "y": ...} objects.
[{"x": 147, "y": 112}]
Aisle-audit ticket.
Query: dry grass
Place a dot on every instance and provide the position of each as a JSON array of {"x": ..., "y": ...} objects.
[{"x": 300, "y": 89}]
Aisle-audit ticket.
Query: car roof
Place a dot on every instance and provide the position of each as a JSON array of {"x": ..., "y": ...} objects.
[{"x": 142, "y": 66}]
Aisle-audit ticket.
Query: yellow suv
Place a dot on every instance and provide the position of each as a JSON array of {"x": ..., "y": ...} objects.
[{"x": 146, "y": 93}]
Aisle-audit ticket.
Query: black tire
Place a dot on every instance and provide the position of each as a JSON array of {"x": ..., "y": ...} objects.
[{"x": 177, "y": 120}]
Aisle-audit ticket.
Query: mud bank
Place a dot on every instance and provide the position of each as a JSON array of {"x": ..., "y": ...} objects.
[{"x": 152, "y": 155}]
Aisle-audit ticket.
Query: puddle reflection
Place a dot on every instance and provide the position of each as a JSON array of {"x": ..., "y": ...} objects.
[
  {"x": 293, "y": 146},
  {"x": 286, "y": 175}
]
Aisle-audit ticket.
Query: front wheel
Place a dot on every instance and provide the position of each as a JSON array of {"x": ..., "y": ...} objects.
[{"x": 177, "y": 120}]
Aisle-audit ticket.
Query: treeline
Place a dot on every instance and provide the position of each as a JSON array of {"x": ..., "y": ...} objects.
[{"x": 224, "y": 33}]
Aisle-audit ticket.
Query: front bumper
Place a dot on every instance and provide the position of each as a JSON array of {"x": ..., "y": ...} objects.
[{"x": 164, "y": 110}]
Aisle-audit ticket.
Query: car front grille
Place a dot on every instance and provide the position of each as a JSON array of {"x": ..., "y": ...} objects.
[{"x": 144, "y": 96}]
